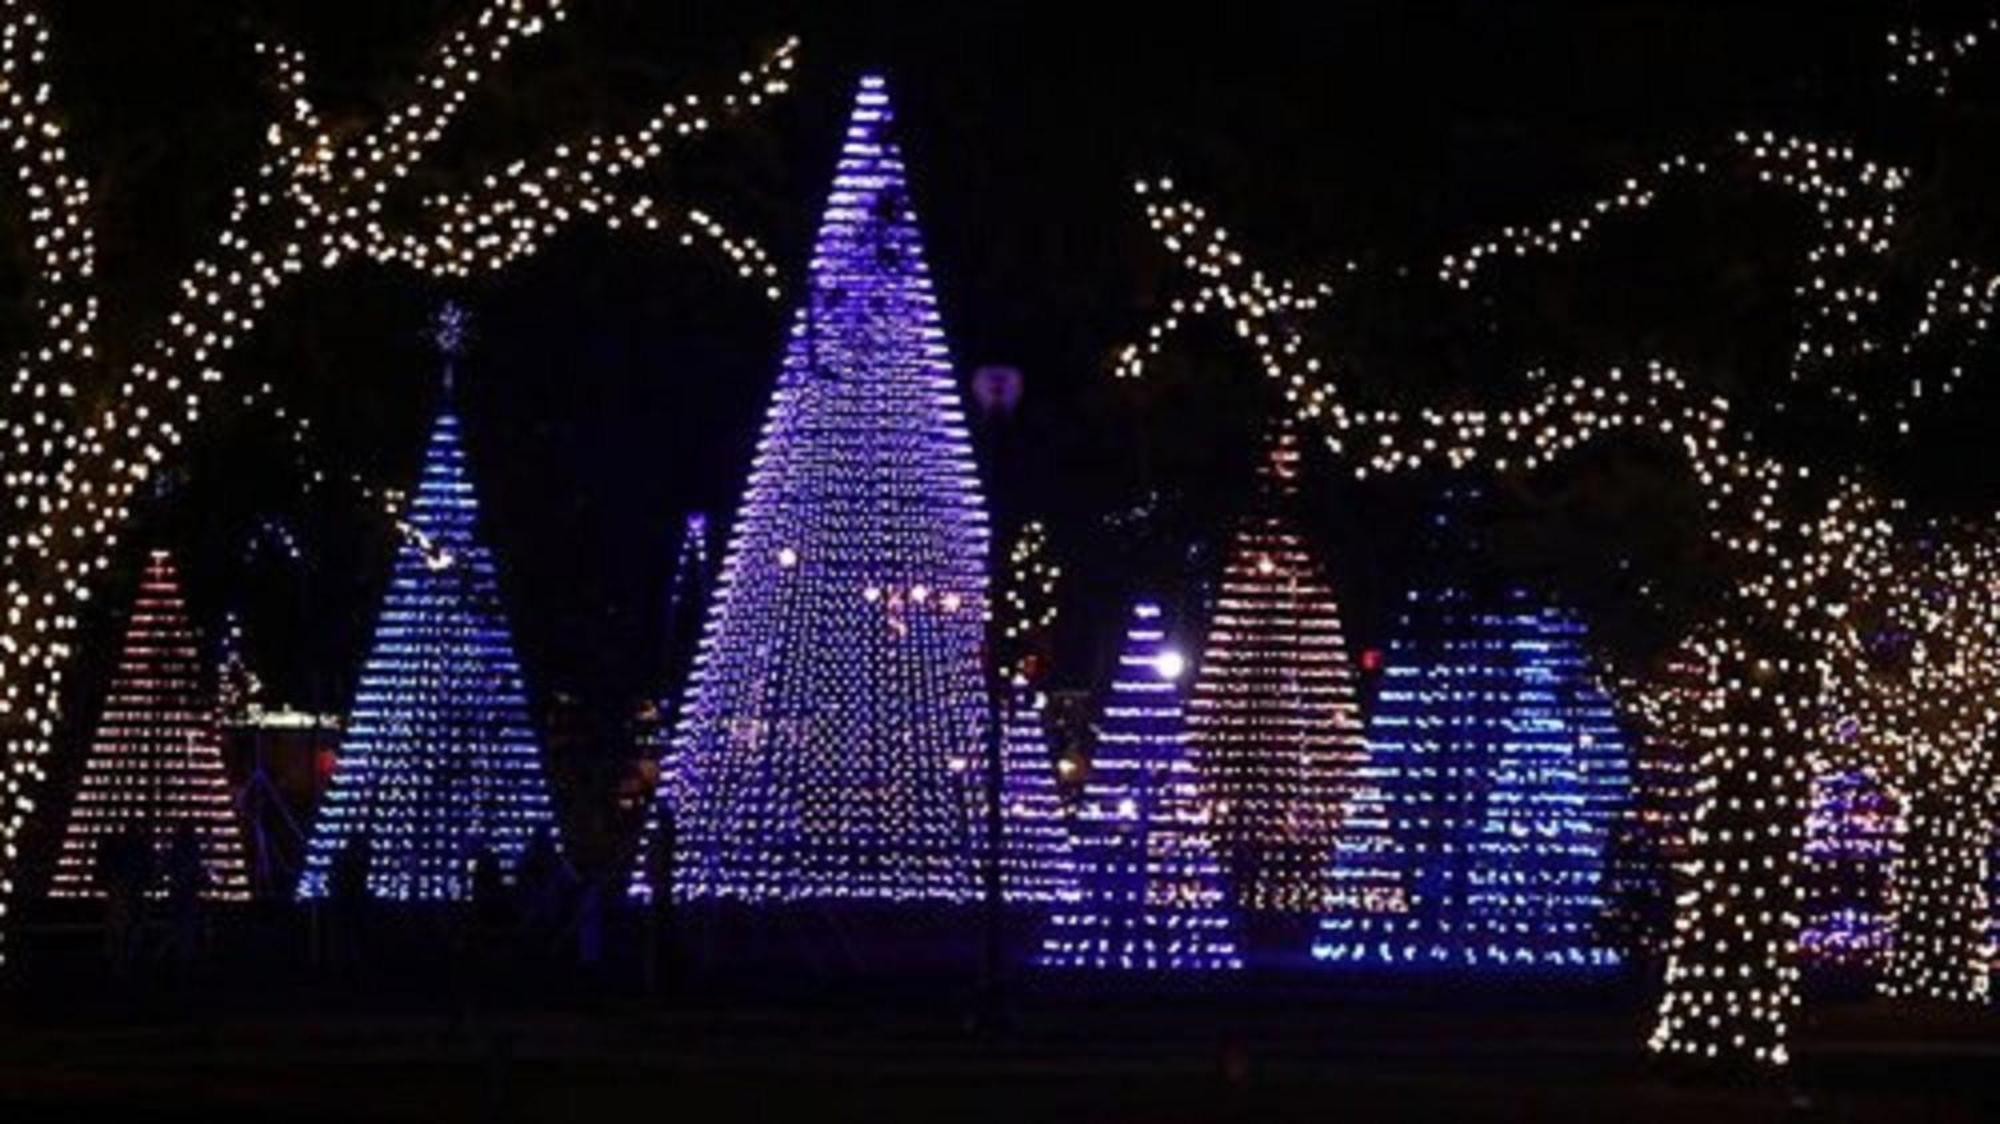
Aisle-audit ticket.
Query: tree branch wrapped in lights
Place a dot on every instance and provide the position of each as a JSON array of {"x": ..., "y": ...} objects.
[
  {"x": 1782, "y": 662},
  {"x": 84, "y": 431}
]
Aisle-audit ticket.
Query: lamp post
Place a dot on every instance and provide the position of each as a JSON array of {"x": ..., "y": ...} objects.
[{"x": 996, "y": 391}]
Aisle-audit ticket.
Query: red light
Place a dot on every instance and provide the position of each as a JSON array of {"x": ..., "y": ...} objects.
[{"x": 1371, "y": 659}]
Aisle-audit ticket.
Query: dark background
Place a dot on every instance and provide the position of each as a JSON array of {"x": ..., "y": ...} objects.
[{"x": 613, "y": 385}]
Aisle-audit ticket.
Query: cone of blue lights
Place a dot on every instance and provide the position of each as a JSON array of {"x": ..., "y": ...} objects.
[
  {"x": 1151, "y": 895},
  {"x": 1479, "y": 838},
  {"x": 439, "y": 768},
  {"x": 822, "y": 747}
]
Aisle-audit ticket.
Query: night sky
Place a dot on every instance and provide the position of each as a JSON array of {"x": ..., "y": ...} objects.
[{"x": 613, "y": 386}]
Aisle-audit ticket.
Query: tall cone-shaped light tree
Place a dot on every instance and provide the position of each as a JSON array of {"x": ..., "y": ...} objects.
[
  {"x": 1036, "y": 864},
  {"x": 439, "y": 765},
  {"x": 87, "y": 417},
  {"x": 1480, "y": 835},
  {"x": 824, "y": 748},
  {"x": 1273, "y": 713}
]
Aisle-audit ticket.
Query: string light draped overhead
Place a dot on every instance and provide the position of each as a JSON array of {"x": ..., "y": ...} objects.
[
  {"x": 155, "y": 763},
  {"x": 838, "y": 695},
  {"x": 1151, "y": 895},
  {"x": 440, "y": 764}
]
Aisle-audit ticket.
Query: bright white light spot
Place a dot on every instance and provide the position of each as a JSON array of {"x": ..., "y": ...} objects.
[{"x": 1170, "y": 664}]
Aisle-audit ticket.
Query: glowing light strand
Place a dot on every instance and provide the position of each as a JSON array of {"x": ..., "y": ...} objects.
[{"x": 314, "y": 201}]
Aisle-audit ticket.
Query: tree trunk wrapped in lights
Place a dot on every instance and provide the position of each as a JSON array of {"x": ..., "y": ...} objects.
[
  {"x": 826, "y": 749},
  {"x": 155, "y": 764},
  {"x": 1796, "y": 549},
  {"x": 83, "y": 436},
  {"x": 1732, "y": 976},
  {"x": 1273, "y": 712},
  {"x": 1938, "y": 891},
  {"x": 1914, "y": 679}
]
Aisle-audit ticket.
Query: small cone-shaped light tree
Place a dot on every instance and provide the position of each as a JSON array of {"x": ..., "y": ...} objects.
[
  {"x": 440, "y": 763},
  {"x": 1150, "y": 889},
  {"x": 1036, "y": 865},
  {"x": 687, "y": 594},
  {"x": 839, "y": 678},
  {"x": 1273, "y": 714},
  {"x": 1496, "y": 775},
  {"x": 155, "y": 762}
]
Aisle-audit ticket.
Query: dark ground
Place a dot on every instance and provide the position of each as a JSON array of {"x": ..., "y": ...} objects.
[{"x": 490, "y": 1032}]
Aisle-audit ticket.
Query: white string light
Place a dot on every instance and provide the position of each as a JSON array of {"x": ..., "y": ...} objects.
[
  {"x": 1772, "y": 659},
  {"x": 72, "y": 463}
]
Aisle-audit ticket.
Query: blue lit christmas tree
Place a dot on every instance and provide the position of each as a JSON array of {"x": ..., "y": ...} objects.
[
  {"x": 1150, "y": 887},
  {"x": 1036, "y": 865},
  {"x": 838, "y": 679},
  {"x": 1854, "y": 829},
  {"x": 1496, "y": 776},
  {"x": 439, "y": 763},
  {"x": 687, "y": 592}
]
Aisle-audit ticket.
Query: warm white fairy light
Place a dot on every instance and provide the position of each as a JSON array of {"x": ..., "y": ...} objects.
[
  {"x": 1924, "y": 59},
  {"x": 1913, "y": 675},
  {"x": 1028, "y": 603},
  {"x": 1772, "y": 664},
  {"x": 1845, "y": 320},
  {"x": 73, "y": 464}
]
